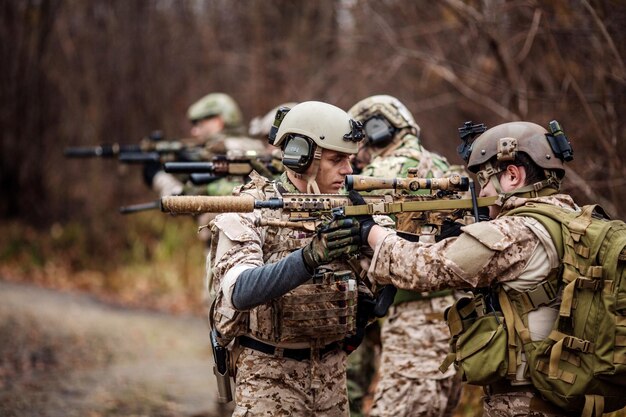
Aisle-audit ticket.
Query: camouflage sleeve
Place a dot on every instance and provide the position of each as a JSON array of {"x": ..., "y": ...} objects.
[
  {"x": 485, "y": 252},
  {"x": 239, "y": 247}
]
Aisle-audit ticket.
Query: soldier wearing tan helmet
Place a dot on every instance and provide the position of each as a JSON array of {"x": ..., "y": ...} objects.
[
  {"x": 279, "y": 289},
  {"x": 517, "y": 165},
  {"x": 414, "y": 336}
]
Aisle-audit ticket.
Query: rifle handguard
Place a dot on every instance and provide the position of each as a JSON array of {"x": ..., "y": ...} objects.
[{"x": 207, "y": 204}]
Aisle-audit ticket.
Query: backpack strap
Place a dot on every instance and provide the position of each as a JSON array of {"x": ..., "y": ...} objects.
[{"x": 514, "y": 325}]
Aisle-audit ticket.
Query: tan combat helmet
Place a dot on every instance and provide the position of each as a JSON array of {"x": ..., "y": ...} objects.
[
  {"x": 310, "y": 127},
  {"x": 260, "y": 126},
  {"x": 503, "y": 142},
  {"x": 383, "y": 116},
  {"x": 216, "y": 104}
]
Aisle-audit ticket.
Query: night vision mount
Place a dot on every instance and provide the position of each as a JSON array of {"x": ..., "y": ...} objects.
[
  {"x": 278, "y": 119},
  {"x": 468, "y": 133}
]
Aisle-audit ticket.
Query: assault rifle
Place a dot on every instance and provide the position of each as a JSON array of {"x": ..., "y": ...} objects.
[
  {"x": 152, "y": 148},
  {"x": 308, "y": 210},
  {"x": 201, "y": 173}
]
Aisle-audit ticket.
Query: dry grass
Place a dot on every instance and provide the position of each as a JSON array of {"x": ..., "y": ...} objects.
[{"x": 158, "y": 263}]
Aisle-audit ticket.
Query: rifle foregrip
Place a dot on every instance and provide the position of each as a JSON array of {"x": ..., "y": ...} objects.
[{"x": 207, "y": 204}]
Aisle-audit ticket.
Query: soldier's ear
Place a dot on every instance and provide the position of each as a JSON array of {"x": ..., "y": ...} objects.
[{"x": 516, "y": 175}]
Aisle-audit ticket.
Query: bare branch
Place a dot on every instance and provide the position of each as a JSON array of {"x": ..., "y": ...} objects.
[
  {"x": 580, "y": 184},
  {"x": 608, "y": 38},
  {"x": 530, "y": 37},
  {"x": 436, "y": 65}
]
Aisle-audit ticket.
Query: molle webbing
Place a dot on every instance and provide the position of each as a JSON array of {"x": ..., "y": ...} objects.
[
  {"x": 581, "y": 365},
  {"x": 323, "y": 309}
]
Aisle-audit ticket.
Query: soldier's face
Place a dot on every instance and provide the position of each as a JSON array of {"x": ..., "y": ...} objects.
[
  {"x": 205, "y": 128},
  {"x": 334, "y": 166}
]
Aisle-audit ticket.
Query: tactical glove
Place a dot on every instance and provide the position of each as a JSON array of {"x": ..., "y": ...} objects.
[
  {"x": 337, "y": 238},
  {"x": 449, "y": 228},
  {"x": 366, "y": 221}
]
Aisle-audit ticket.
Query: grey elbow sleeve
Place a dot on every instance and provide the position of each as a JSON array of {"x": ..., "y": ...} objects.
[{"x": 259, "y": 285}]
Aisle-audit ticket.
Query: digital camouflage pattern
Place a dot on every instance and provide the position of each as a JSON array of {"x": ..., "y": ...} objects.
[
  {"x": 414, "y": 339},
  {"x": 274, "y": 387},
  {"x": 500, "y": 250},
  {"x": 268, "y": 385},
  {"x": 525, "y": 403},
  {"x": 407, "y": 153},
  {"x": 430, "y": 267}
]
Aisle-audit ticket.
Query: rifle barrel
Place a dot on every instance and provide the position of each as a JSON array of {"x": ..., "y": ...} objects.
[
  {"x": 189, "y": 167},
  {"x": 105, "y": 150},
  {"x": 203, "y": 179},
  {"x": 152, "y": 205},
  {"x": 139, "y": 157}
]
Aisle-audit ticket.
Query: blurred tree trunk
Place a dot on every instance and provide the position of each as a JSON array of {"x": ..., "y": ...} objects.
[
  {"x": 28, "y": 113},
  {"x": 85, "y": 73}
]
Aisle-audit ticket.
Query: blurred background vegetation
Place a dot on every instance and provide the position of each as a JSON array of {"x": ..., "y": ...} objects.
[{"x": 85, "y": 73}]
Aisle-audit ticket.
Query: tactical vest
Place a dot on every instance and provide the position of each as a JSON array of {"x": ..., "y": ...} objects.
[
  {"x": 319, "y": 312},
  {"x": 581, "y": 365}
]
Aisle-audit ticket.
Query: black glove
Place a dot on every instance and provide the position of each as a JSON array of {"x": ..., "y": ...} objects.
[
  {"x": 449, "y": 228},
  {"x": 339, "y": 237},
  {"x": 365, "y": 220},
  {"x": 384, "y": 300}
]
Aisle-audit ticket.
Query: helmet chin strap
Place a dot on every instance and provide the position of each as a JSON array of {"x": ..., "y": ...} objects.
[
  {"x": 311, "y": 184},
  {"x": 542, "y": 188}
]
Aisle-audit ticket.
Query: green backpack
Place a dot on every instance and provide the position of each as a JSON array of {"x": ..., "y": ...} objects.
[{"x": 581, "y": 365}]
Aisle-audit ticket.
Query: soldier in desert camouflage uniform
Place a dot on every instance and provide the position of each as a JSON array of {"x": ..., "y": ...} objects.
[
  {"x": 286, "y": 296},
  {"x": 414, "y": 335},
  {"x": 515, "y": 162}
]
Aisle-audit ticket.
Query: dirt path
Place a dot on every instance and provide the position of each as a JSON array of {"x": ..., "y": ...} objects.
[{"x": 71, "y": 355}]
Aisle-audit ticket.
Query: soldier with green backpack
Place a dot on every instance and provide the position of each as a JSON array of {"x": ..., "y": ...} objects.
[{"x": 545, "y": 330}]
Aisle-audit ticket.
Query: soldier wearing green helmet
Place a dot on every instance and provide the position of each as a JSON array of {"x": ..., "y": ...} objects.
[
  {"x": 217, "y": 110},
  {"x": 217, "y": 126}
]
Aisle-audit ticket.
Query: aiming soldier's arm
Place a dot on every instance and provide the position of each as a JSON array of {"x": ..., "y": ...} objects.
[{"x": 254, "y": 285}]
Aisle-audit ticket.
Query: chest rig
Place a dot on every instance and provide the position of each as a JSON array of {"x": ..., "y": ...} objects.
[{"x": 318, "y": 312}]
